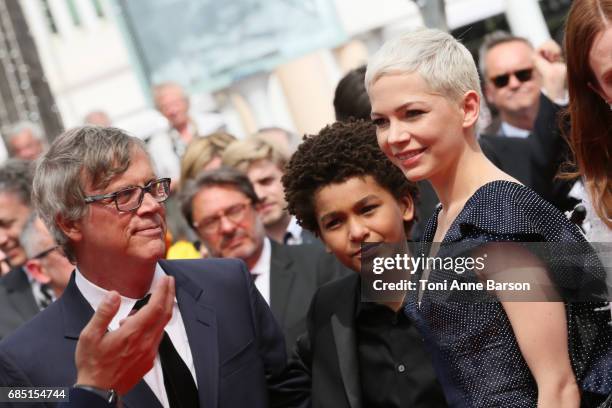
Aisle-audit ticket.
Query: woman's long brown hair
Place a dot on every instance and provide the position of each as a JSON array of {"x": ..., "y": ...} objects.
[{"x": 590, "y": 135}]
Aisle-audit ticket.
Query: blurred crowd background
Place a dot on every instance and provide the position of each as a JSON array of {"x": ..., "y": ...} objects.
[{"x": 244, "y": 64}]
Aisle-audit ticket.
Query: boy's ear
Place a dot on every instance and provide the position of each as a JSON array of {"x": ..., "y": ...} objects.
[
  {"x": 71, "y": 228},
  {"x": 408, "y": 213}
]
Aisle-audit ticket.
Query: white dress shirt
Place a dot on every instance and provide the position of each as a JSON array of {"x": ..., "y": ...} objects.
[
  {"x": 261, "y": 270},
  {"x": 293, "y": 235},
  {"x": 175, "y": 329},
  {"x": 508, "y": 130}
]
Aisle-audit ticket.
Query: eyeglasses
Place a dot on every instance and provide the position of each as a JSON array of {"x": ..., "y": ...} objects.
[
  {"x": 522, "y": 75},
  {"x": 130, "y": 199},
  {"x": 211, "y": 224},
  {"x": 44, "y": 253}
]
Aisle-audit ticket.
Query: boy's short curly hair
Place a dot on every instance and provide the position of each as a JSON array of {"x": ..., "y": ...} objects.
[{"x": 339, "y": 152}]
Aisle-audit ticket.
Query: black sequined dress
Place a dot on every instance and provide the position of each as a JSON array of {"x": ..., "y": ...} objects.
[{"x": 472, "y": 343}]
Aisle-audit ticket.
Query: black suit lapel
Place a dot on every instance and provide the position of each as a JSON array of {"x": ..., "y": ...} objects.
[
  {"x": 77, "y": 312},
  {"x": 19, "y": 293},
  {"x": 282, "y": 276},
  {"x": 343, "y": 327},
  {"x": 200, "y": 322}
]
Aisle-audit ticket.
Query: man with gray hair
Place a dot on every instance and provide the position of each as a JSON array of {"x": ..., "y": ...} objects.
[
  {"x": 46, "y": 263},
  {"x": 21, "y": 296},
  {"x": 527, "y": 87},
  {"x": 97, "y": 192},
  {"x": 25, "y": 140}
]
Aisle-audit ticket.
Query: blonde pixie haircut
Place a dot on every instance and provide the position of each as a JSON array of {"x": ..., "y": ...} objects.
[
  {"x": 442, "y": 61},
  {"x": 202, "y": 151},
  {"x": 241, "y": 154}
]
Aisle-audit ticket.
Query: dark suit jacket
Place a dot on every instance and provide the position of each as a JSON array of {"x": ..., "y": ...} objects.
[
  {"x": 80, "y": 398},
  {"x": 309, "y": 238},
  {"x": 535, "y": 160},
  {"x": 324, "y": 368},
  {"x": 237, "y": 347},
  {"x": 17, "y": 304},
  {"x": 296, "y": 272}
]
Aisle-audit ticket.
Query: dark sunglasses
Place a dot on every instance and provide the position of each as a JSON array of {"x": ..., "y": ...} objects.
[{"x": 522, "y": 75}]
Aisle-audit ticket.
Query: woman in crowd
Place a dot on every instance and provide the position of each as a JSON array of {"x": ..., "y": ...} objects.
[
  {"x": 425, "y": 95},
  {"x": 203, "y": 153},
  {"x": 588, "y": 49}
]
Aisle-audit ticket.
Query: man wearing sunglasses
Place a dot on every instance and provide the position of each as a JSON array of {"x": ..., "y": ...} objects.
[
  {"x": 514, "y": 76},
  {"x": 527, "y": 87},
  {"x": 96, "y": 190}
]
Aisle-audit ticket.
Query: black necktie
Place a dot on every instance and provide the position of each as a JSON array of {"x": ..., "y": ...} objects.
[
  {"x": 180, "y": 387},
  {"x": 46, "y": 298}
]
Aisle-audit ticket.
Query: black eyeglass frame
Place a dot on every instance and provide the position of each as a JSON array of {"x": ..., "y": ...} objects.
[
  {"x": 143, "y": 190},
  {"x": 502, "y": 81},
  {"x": 46, "y": 252},
  {"x": 211, "y": 224}
]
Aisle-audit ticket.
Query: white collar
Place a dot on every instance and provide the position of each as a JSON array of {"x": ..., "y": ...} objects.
[
  {"x": 507, "y": 129},
  {"x": 295, "y": 230},
  {"x": 262, "y": 266},
  {"x": 95, "y": 295}
]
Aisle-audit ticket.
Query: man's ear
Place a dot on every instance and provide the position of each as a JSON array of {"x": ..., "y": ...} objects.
[
  {"x": 595, "y": 88},
  {"x": 470, "y": 106},
  {"x": 35, "y": 270},
  {"x": 71, "y": 228},
  {"x": 408, "y": 213}
]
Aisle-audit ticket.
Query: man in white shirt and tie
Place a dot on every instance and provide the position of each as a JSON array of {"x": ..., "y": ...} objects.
[{"x": 97, "y": 192}]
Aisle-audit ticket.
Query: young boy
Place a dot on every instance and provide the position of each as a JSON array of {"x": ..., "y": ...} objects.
[{"x": 340, "y": 186}]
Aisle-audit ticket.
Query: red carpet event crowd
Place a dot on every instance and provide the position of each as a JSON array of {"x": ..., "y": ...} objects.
[{"x": 196, "y": 269}]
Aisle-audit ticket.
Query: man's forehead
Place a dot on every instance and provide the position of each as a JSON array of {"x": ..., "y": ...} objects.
[
  {"x": 12, "y": 207},
  {"x": 11, "y": 199},
  {"x": 24, "y": 132},
  {"x": 215, "y": 197},
  {"x": 170, "y": 93},
  {"x": 509, "y": 51},
  {"x": 263, "y": 166},
  {"x": 44, "y": 236},
  {"x": 114, "y": 179}
]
